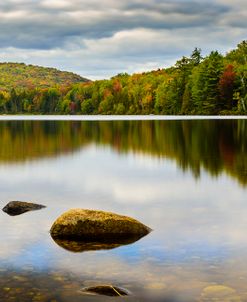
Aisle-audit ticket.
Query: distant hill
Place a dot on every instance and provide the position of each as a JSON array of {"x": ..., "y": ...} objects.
[{"x": 20, "y": 75}]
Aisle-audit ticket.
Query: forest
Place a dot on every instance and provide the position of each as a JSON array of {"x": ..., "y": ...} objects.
[{"x": 195, "y": 85}]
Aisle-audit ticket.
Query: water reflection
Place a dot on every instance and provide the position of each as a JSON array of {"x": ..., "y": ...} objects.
[
  {"x": 77, "y": 246},
  {"x": 27, "y": 285},
  {"x": 198, "y": 246},
  {"x": 215, "y": 145}
]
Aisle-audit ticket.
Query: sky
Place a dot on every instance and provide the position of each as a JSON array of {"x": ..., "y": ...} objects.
[{"x": 101, "y": 38}]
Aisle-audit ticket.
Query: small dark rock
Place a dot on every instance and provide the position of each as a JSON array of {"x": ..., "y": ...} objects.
[
  {"x": 14, "y": 208},
  {"x": 107, "y": 290}
]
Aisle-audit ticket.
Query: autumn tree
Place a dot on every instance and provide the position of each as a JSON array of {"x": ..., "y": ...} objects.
[{"x": 226, "y": 87}]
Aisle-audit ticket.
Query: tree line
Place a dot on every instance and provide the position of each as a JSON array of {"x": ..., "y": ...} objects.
[{"x": 195, "y": 85}]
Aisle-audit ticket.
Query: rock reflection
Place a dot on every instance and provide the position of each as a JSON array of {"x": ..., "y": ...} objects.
[{"x": 77, "y": 246}]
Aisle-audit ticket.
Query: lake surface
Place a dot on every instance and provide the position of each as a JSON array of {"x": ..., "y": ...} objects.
[{"x": 187, "y": 180}]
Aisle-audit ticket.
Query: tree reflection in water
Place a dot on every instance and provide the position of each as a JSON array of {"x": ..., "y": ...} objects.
[{"x": 214, "y": 145}]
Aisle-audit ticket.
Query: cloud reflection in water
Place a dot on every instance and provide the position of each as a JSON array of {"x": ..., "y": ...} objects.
[{"x": 199, "y": 225}]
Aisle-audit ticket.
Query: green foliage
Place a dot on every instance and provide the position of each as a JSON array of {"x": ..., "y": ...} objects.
[
  {"x": 205, "y": 84},
  {"x": 212, "y": 85},
  {"x": 87, "y": 107}
]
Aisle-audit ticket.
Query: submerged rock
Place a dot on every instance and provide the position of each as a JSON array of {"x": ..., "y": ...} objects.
[
  {"x": 106, "y": 290},
  {"x": 14, "y": 208},
  {"x": 220, "y": 293},
  {"x": 97, "y": 226}
]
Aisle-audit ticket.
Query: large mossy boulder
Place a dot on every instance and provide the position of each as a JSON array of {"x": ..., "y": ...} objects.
[
  {"x": 97, "y": 226},
  {"x": 14, "y": 208}
]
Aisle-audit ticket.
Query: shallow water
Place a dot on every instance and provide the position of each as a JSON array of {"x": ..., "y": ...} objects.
[{"x": 187, "y": 180}]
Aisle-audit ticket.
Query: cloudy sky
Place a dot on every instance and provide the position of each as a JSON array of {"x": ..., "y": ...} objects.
[{"x": 100, "y": 38}]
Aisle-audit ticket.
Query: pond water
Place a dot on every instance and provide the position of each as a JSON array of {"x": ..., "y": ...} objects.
[{"x": 187, "y": 180}]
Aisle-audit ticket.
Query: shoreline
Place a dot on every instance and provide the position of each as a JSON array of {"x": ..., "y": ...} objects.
[{"x": 115, "y": 117}]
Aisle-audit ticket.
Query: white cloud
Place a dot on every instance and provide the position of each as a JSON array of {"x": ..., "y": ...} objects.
[
  {"x": 101, "y": 38},
  {"x": 56, "y": 4}
]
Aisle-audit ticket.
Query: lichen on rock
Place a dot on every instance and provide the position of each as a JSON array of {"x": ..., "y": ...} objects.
[{"x": 91, "y": 225}]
